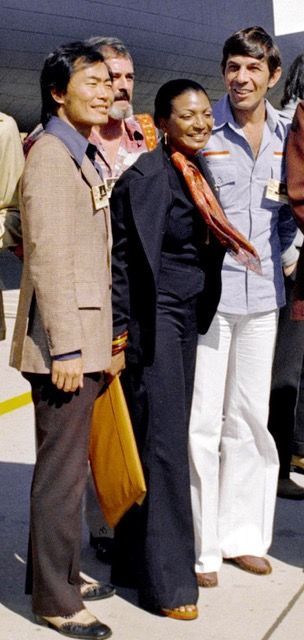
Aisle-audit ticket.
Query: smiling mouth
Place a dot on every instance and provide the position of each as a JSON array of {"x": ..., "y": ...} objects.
[
  {"x": 242, "y": 93},
  {"x": 101, "y": 112},
  {"x": 197, "y": 136}
]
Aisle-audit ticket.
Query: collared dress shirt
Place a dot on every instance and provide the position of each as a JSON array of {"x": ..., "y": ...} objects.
[
  {"x": 132, "y": 145},
  {"x": 241, "y": 182},
  {"x": 76, "y": 143}
]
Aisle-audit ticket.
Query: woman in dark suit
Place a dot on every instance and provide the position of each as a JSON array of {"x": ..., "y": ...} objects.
[{"x": 167, "y": 256}]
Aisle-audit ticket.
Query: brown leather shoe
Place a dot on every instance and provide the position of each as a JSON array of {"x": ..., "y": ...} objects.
[
  {"x": 207, "y": 579},
  {"x": 253, "y": 564}
]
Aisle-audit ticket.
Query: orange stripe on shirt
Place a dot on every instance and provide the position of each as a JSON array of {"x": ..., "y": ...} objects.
[{"x": 216, "y": 153}]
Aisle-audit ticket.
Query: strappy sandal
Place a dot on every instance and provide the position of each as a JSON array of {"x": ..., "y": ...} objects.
[{"x": 181, "y": 613}]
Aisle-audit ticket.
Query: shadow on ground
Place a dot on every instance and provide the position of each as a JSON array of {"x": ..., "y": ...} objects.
[
  {"x": 15, "y": 480},
  {"x": 288, "y": 539}
]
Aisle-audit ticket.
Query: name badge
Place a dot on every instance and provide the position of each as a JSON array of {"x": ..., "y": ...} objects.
[
  {"x": 100, "y": 196},
  {"x": 277, "y": 191}
]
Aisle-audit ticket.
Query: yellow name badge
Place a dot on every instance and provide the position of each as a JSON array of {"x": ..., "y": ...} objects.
[
  {"x": 100, "y": 196},
  {"x": 277, "y": 191}
]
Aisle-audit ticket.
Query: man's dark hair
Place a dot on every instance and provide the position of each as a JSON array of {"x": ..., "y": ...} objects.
[
  {"x": 294, "y": 83},
  {"x": 58, "y": 69},
  {"x": 254, "y": 42},
  {"x": 167, "y": 93},
  {"x": 109, "y": 47}
]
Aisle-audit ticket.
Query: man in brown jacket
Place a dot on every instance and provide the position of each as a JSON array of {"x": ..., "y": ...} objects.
[{"x": 63, "y": 333}]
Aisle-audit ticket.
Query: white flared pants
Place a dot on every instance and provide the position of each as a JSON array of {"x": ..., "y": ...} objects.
[{"x": 233, "y": 458}]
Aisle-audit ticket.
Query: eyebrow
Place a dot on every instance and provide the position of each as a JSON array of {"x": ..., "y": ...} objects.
[
  {"x": 97, "y": 78},
  {"x": 238, "y": 64},
  {"x": 121, "y": 73}
]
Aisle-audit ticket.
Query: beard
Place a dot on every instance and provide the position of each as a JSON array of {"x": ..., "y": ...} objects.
[{"x": 117, "y": 112}]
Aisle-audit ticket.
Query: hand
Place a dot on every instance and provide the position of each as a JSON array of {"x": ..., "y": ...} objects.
[
  {"x": 118, "y": 363},
  {"x": 290, "y": 269},
  {"x": 68, "y": 374}
]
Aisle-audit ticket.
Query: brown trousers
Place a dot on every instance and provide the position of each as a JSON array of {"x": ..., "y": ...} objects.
[{"x": 60, "y": 474}]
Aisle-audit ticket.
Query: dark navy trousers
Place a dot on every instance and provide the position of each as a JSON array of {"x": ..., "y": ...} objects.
[{"x": 157, "y": 539}]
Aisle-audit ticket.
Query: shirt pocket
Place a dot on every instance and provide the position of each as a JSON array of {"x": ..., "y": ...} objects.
[
  {"x": 224, "y": 177},
  {"x": 89, "y": 295}
]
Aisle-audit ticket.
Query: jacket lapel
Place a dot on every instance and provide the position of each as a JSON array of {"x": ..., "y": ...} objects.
[
  {"x": 150, "y": 198},
  {"x": 93, "y": 179},
  {"x": 89, "y": 172}
]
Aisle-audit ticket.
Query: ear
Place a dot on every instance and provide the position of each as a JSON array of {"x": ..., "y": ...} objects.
[
  {"x": 275, "y": 77},
  {"x": 57, "y": 96},
  {"x": 163, "y": 124}
]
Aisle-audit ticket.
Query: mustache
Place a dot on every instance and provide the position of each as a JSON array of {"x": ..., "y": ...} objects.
[{"x": 122, "y": 95}]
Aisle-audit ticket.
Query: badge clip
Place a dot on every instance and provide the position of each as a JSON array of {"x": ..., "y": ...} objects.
[{"x": 109, "y": 185}]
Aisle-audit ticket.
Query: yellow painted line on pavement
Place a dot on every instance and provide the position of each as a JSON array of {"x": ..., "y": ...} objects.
[{"x": 15, "y": 403}]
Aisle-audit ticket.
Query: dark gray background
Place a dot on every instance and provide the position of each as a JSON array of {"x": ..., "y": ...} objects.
[{"x": 168, "y": 39}]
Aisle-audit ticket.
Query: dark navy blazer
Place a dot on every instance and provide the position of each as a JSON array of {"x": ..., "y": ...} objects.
[{"x": 140, "y": 202}]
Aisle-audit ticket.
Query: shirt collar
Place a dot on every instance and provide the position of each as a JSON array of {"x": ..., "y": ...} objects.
[
  {"x": 132, "y": 138},
  {"x": 132, "y": 128},
  {"x": 76, "y": 143},
  {"x": 223, "y": 115}
]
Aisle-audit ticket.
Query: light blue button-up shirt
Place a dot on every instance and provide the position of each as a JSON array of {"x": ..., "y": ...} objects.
[{"x": 241, "y": 181}]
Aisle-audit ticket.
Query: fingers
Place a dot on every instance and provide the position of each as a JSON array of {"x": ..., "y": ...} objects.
[
  {"x": 67, "y": 375},
  {"x": 67, "y": 383},
  {"x": 290, "y": 269},
  {"x": 116, "y": 366}
]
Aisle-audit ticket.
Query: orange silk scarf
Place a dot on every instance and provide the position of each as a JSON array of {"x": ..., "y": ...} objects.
[{"x": 213, "y": 215}]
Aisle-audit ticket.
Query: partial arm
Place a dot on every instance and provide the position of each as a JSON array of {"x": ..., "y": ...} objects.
[
  {"x": 121, "y": 219},
  {"x": 295, "y": 165},
  {"x": 12, "y": 164}
]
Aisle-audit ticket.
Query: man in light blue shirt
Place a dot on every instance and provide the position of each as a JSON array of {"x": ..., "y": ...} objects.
[
  {"x": 243, "y": 181},
  {"x": 234, "y": 462}
]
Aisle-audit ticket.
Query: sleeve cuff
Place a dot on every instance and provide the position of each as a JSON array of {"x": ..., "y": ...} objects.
[
  {"x": 67, "y": 356},
  {"x": 290, "y": 256}
]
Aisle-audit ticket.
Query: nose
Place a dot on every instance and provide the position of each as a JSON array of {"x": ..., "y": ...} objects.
[
  {"x": 104, "y": 92},
  {"x": 121, "y": 83},
  {"x": 199, "y": 121},
  {"x": 101, "y": 90},
  {"x": 241, "y": 75}
]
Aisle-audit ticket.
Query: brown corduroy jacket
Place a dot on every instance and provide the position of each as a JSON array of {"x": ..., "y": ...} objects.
[{"x": 65, "y": 296}]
